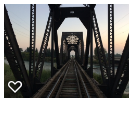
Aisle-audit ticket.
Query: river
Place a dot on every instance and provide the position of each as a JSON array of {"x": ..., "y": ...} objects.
[{"x": 47, "y": 66}]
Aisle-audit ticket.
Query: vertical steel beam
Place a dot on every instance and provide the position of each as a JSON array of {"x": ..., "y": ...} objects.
[
  {"x": 52, "y": 44},
  {"x": 111, "y": 40},
  {"x": 82, "y": 51},
  {"x": 32, "y": 44},
  {"x": 56, "y": 48},
  {"x": 61, "y": 51},
  {"x": 87, "y": 49},
  {"x": 91, "y": 51}
]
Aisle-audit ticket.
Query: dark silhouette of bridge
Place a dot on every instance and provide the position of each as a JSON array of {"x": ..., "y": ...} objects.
[{"x": 113, "y": 84}]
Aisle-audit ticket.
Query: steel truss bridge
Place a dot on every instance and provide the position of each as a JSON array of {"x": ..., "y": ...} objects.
[{"x": 71, "y": 78}]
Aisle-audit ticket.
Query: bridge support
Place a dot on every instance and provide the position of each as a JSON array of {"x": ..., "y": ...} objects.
[
  {"x": 52, "y": 45},
  {"x": 41, "y": 57},
  {"x": 91, "y": 51},
  {"x": 87, "y": 49},
  {"x": 56, "y": 48},
  {"x": 110, "y": 46},
  {"x": 14, "y": 57},
  {"x": 82, "y": 52},
  {"x": 100, "y": 50},
  {"x": 111, "y": 40},
  {"x": 61, "y": 52},
  {"x": 32, "y": 45},
  {"x": 122, "y": 74}
]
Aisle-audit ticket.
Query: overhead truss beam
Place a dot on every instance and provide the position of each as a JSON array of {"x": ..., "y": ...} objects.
[{"x": 51, "y": 6}]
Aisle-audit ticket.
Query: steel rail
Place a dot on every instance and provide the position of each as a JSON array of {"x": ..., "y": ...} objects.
[
  {"x": 96, "y": 89},
  {"x": 42, "y": 91},
  {"x": 56, "y": 84},
  {"x": 85, "y": 88},
  {"x": 58, "y": 93},
  {"x": 77, "y": 80}
]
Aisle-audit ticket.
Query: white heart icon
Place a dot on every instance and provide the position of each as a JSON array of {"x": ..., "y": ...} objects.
[{"x": 15, "y": 84}]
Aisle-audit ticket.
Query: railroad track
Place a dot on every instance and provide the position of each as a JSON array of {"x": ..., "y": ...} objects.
[{"x": 70, "y": 81}]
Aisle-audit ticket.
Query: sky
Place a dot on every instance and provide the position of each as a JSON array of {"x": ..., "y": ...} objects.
[{"x": 19, "y": 15}]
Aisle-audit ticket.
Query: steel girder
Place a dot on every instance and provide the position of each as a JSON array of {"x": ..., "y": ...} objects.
[
  {"x": 41, "y": 57},
  {"x": 91, "y": 50},
  {"x": 100, "y": 50},
  {"x": 65, "y": 12},
  {"x": 14, "y": 57},
  {"x": 52, "y": 45},
  {"x": 111, "y": 40},
  {"x": 61, "y": 52},
  {"x": 56, "y": 48},
  {"x": 122, "y": 74},
  {"x": 32, "y": 43},
  {"x": 58, "y": 5},
  {"x": 54, "y": 6},
  {"x": 87, "y": 49},
  {"x": 89, "y": 41}
]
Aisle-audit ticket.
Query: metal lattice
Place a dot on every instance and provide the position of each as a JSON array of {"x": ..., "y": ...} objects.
[
  {"x": 32, "y": 42},
  {"x": 41, "y": 57},
  {"x": 72, "y": 39},
  {"x": 100, "y": 49},
  {"x": 111, "y": 39},
  {"x": 12, "y": 59}
]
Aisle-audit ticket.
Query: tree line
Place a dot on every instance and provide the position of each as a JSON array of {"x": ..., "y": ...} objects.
[
  {"x": 106, "y": 55},
  {"x": 26, "y": 52}
]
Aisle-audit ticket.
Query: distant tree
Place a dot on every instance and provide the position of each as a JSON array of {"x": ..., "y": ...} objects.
[
  {"x": 117, "y": 55},
  {"x": 48, "y": 52},
  {"x": 21, "y": 50},
  {"x": 28, "y": 49},
  {"x": 36, "y": 50}
]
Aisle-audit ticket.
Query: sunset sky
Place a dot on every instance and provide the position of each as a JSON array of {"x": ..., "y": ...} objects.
[{"x": 20, "y": 18}]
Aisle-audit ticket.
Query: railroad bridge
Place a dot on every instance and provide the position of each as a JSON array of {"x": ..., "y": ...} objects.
[
  {"x": 72, "y": 41},
  {"x": 72, "y": 78}
]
